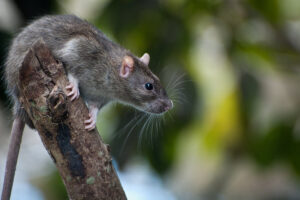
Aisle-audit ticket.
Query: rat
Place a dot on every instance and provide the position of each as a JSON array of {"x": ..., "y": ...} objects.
[{"x": 99, "y": 70}]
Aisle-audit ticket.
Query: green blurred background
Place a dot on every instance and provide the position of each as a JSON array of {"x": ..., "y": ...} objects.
[{"x": 232, "y": 69}]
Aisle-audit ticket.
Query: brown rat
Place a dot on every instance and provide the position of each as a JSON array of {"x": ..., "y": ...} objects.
[
  {"x": 101, "y": 69},
  {"x": 98, "y": 69}
]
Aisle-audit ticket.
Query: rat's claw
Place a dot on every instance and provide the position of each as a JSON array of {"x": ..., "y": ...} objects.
[
  {"x": 90, "y": 127},
  {"x": 72, "y": 87},
  {"x": 69, "y": 86},
  {"x": 74, "y": 91},
  {"x": 90, "y": 123}
]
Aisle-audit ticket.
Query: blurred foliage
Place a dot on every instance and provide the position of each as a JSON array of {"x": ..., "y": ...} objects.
[
  {"x": 5, "y": 39},
  {"x": 51, "y": 185},
  {"x": 31, "y": 9},
  {"x": 236, "y": 69}
]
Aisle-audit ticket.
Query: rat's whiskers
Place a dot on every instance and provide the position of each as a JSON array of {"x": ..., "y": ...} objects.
[
  {"x": 130, "y": 123},
  {"x": 175, "y": 88},
  {"x": 144, "y": 130},
  {"x": 131, "y": 130}
]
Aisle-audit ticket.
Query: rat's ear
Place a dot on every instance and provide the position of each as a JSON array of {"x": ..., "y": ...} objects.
[
  {"x": 127, "y": 66},
  {"x": 145, "y": 59}
]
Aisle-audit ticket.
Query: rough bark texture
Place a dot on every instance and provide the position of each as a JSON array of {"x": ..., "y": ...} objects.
[{"x": 83, "y": 160}]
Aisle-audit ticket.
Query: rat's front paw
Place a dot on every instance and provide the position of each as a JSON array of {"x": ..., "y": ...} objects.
[
  {"x": 90, "y": 123},
  {"x": 73, "y": 91},
  {"x": 72, "y": 87}
]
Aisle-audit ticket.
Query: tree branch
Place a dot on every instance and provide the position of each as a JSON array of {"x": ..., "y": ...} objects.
[{"x": 81, "y": 157}]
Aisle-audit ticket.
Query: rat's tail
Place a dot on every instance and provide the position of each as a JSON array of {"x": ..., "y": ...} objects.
[{"x": 12, "y": 157}]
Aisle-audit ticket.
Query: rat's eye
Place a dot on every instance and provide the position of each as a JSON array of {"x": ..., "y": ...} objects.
[{"x": 149, "y": 86}]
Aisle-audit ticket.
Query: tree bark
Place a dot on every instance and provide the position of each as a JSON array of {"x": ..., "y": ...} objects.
[{"x": 82, "y": 159}]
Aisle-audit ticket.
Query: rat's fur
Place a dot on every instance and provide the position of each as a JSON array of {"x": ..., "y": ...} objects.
[{"x": 92, "y": 59}]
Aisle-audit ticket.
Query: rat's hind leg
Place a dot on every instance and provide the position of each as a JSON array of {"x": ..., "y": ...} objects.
[
  {"x": 73, "y": 88},
  {"x": 90, "y": 123}
]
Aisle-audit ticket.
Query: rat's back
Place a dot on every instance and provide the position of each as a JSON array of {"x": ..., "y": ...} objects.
[{"x": 55, "y": 31}]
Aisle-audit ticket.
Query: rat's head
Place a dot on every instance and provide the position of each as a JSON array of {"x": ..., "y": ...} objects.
[{"x": 140, "y": 87}]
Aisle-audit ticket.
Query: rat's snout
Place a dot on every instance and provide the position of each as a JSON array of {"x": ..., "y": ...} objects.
[
  {"x": 168, "y": 105},
  {"x": 160, "y": 106}
]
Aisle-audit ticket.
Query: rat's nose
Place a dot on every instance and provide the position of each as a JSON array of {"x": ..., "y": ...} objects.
[{"x": 169, "y": 105}]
